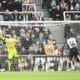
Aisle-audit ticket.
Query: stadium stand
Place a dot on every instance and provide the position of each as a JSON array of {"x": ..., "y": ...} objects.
[
  {"x": 11, "y": 5},
  {"x": 57, "y": 7},
  {"x": 33, "y": 40},
  {"x": 41, "y": 46},
  {"x": 21, "y": 16},
  {"x": 29, "y": 36}
]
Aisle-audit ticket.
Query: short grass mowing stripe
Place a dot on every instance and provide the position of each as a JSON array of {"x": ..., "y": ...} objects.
[{"x": 61, "y": 75}]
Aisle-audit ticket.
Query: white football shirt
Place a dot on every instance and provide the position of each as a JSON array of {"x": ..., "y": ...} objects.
[{"x": 72, "y": 42}]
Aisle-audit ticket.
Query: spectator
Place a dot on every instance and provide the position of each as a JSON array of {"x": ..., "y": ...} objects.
[
  {"x": 41, "y": 38},
  {"x": 43, "y": 3},
  {"x": 58, "y": 13},
  {"x": 36, "y": 32},
  {"x": 4, "y": 5},
  {"x": 57, "y": 7},
  {"x": 25, "y": 41},
  {"x": 39, "y": 17},
  {"x": 1, "y": 9},
  {"x": 23, "y": 51},
  {"x": 18, "y": 5},
  {"x": 36, "y": 47},
  {"x": 33, "y": 16},
  {"x": 30, "y": 17},
  {"x": 33, "y": 38},
  {"x": 49, "y": 48},
  {"x": 16, "y": 16},
  {"x": 11, "y": 5},
  {"x": 1, "y": 47},
  {"x": 77, "y": 7},
  {"x": 14, "y": 34},
  {"x": 30, "y": 59},
  {"x": 7, "y": 16},
  {"x": 77, "y": 17},
  {"x": 27, "y": 1},
  {"x": 60, "y": 50}
]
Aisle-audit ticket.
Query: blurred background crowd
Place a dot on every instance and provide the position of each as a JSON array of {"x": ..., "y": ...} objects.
[
  {"x": 34, "y": 40},
  {"x": 38, "y": 40},
  {"x": 57, "y": 7}
]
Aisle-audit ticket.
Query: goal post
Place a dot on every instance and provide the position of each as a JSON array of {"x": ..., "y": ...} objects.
[{"x": 67, "y": 15}]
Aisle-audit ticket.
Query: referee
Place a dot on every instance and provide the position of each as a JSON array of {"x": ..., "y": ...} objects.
[{"x": 72, "y": 44}]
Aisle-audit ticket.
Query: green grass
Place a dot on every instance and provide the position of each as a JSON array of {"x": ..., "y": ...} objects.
[{"x": 61, "y": 75}]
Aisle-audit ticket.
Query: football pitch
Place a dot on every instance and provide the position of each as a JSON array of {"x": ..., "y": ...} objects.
[{"x": 57, "y": 75}]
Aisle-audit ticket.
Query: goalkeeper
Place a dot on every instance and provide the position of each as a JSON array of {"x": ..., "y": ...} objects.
[{"x": 11, "y": 49}]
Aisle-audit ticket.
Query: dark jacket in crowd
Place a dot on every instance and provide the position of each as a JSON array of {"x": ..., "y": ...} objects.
[
  {"x": 25, "y": 42},
  {"x": 18, "y": 17}
]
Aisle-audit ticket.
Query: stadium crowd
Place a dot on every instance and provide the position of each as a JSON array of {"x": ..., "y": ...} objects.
[
  {"x": 11, "y": 5},
  {"x": 32, "y": 41},
  {"x": 19, "y": 16},
  {"x": 12, "y": 10},
  {"x": 57, "y": 7},
  {"x": 54, "y": 7},
  {"x": 35, "y": 38}
]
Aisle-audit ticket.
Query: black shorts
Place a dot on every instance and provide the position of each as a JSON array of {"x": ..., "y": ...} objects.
[
  {"x": 0, "y": 65},
  {"x": 73, "y": 52}
]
